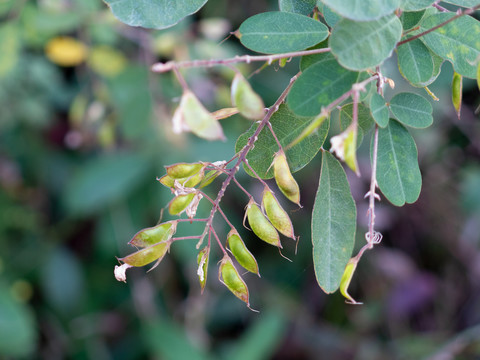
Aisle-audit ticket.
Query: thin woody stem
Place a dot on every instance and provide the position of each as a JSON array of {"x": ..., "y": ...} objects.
[
  {"x": 256, "y": 175},
  {"x": 459, "y": 14},
  {"x": 172, "y": 65}
]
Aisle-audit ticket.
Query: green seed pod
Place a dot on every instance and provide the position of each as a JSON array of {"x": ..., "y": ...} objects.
[
  {"x": 147, "y": 255},
  {"x": 202, "y": 261},
  {"x": 457, "y": 88},
  {"x": 346, "y": 278},
  {"x": 285, "y": 181},
  {"x": 276, "y": 214},
  {"x": 209, "y": 177},
  {"x": 154, "y": 235},
  {"x": 344, "y": 146},
  {"x": 241, "y": 253},
  {"x": 180, "y": 203},
  {"x": 230, "y": 277},
  {"x": 186, "y": 182},
  {"x": 261, "y": 226},
  {"x": 183, "y": 170},
  {"x": 246, "y": 100}
]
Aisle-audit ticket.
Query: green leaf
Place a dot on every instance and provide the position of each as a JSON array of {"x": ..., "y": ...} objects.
[
  {"x": 330, "y": 16},
  {"x": 304, "y": 7},
  {"x": 412, "y": 110},
  {"x": 371, "y": 44},
  {"x": 415, "y": 62},
  {"x": 9, "y": 48},
  {"x": 17, "y": 327},
  {"x": 334, "y": 220},
  {"x": 457, "y": 41},
  {"x": 277, "y": 32},
  {"x": 463, "y": 3},
  {"x": 414, "y": 5},
  {"x": 365, "y": 120},
  {"x": 410, "y": 19},
  {"x": 379, "y": 110},
  {"x": 155, "y": 14},
  {"x": 287, "y": 127},
  {"x": 398, "y": 174},
  {"x": 309, "y": 60},
  {"x": 318, "y": 86},
  {"x": 360, "y": 10}
]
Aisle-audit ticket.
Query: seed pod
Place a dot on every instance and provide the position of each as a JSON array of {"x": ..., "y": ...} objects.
[
  {"x": 261, "y": 226},
  {"x": 209, "y": 177},
  {"x": 202, "y": 261},
  {"x": 183, "y": 170},
  {"x": 241, "y": 253},
  {"x": 147, "y": 255},
  {"x": 457, "y": 88},
  {"x": 344, "y": 146},
  {"x": 276, "y": 214},
  {"x": 180, "y": 203},
  {"x": 186, "y": 182},
  {"x": 346, "y": 278},
  {"x": 224, "y": 113},
  {"x": 230, "y": 277},
  {"x": 154, "y": 235},
  {"x": 285, "y": 181},
  {"x": 245, "y": 99}
]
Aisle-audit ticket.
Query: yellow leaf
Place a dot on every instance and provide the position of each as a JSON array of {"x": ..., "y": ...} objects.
[{"x": 66, "y": 51}]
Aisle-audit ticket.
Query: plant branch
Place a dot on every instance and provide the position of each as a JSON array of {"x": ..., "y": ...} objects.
[
  {"x": 459, "y": 14},
  {"x": 172, "y": 65}
]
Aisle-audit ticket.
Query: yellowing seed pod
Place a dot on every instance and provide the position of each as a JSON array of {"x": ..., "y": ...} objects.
[
  {"x": 347, "y": 278},
  {"x": 285, "y": 181},
  {"x": 180, "y": 203},
  {"x": 245, "y": 99},
  {"x": 261, "y": 226},
  {"x": 147, "y": 255},
  {"x": 344, "y": 146},
  {"x": 230, "y": 277},
  {"x": 457, "y": 88},
  {"x": 241, "y": 253},
  {"x": 183, "y": 170},
  {"x": 276, "y": 214},
  {"x": 154, "y": 235},
  {"x": 202, "y": 261}
]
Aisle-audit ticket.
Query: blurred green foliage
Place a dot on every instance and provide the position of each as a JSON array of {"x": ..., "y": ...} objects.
[{"x": 80, "y": 148}]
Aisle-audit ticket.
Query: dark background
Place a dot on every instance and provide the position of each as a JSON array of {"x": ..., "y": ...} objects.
[{"x": 80, "y": 148}]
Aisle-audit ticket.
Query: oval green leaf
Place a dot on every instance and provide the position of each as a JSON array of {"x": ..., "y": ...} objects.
[
  {"x": 155, "y": 14},
  {"x": 415, "y": 62},
  {"x": 410, "y": 19},
  {"x": 288, "y": 127},
  {"x": 304, "y": 7},
  {"x": 277, "y": 32},
  {"x": 379, "y": 110},
  {"x": 361, "y": 10},
  {"x": 412, "y": 110},
  {"x": 457, "y": 41},
  {"x": 334, "y": 219},
  {"x": 362, "y": 45},
  {"x": 318, "y": 86},
  {"x": 398, "y": 174}
]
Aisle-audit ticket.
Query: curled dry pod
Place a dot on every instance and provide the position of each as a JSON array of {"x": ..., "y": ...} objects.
[
  {"x": 230, "y": 277},
  {"x": 202, "y": 261},
  {"x": 346, "y": 278},
  {"x": 183, "y": 170},
  {"x": 276, "y": 214},
  {"x": 245, "y": 99},
  {"x": 261, "y": 226},
  {"x": 457, "y": 88},
  {"x": 180, "y": 203},
  {"x": 147, "y": 255},
  {"x": 241, "y": 253},
  {"x": 154, "y": 235},
  {"x": 285, "y": 181}
]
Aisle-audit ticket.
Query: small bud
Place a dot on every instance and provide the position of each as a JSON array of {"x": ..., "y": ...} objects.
[
  {"x": 282, "y": 62},
  {"x": 346, "y": 278},
  {"x": 285, "y": 181},
  {"x": 230, "y": 277},
  {"x": 457, "y": 88},
  {"x": 261, "y": 226},
  {"x": 180, "y": 203},
  {"x": 246, "y": 100},
  {"x": 154, "y": 235},
  {"x": 241, "y": 253},
  {"x": 147, "y": 255},
  {"x": 276, "y": 214},
  {"x": 202, "y": 261},
  {"x": 344, "y": 146},
  {"x": 120, "y": 272}
]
